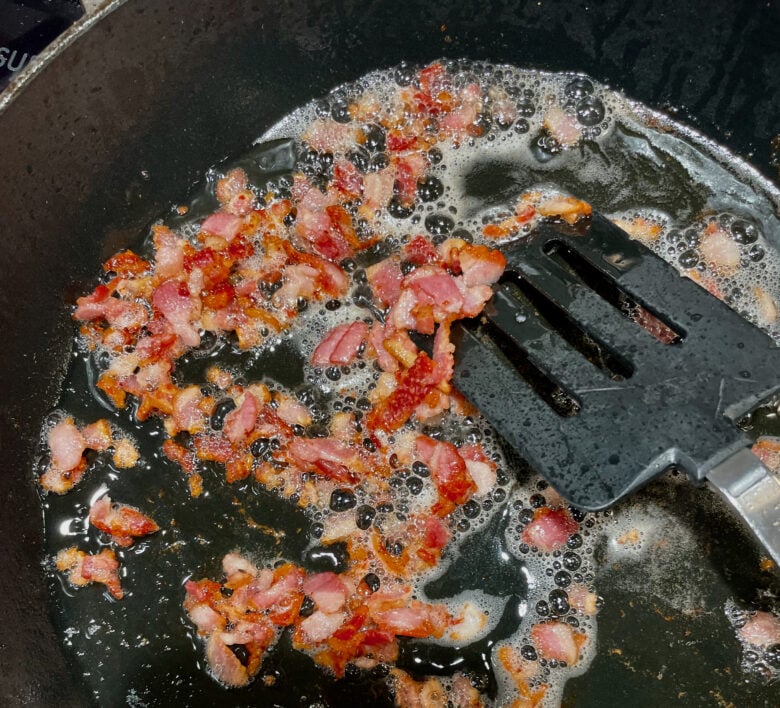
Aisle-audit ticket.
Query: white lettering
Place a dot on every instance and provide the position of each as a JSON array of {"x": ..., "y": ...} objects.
[
  {"x": 3, "y": 55},
  {"x": 19, "y": 65}
]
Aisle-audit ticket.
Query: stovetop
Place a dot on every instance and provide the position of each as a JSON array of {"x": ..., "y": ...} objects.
[{"x": 27, "y": 26}]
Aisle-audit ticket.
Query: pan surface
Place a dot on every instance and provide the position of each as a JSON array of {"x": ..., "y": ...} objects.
[{"x": 165, "y": 92}]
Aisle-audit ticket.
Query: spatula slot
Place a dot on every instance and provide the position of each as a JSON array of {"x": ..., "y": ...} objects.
[
  {"x": 563, "y": 402},
  {"x": 555, "y": 317},
  {"x": 605, "y": 287}
]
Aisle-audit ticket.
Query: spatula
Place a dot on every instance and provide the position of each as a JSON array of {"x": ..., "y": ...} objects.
[{"x": 603, "y": 367}]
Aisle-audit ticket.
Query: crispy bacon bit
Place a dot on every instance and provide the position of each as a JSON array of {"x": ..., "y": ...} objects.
[
  {"x": 550, "y": 529},
  {"x": 126, "y": 264},
  {"x": 414, "y": 384},
  {"x": 173, "y": 300},
  {"x": 123, "y": 523},
  {"x": 448, "y": 470},
  {"x": 241, "y": 421},
  {"x": 341, "y": 345},
  {"x": 223, "y": 224},
  {"x": 83, "y": 569}
]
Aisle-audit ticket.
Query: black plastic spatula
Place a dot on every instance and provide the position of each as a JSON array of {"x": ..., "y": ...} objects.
[{"x": 603, "y": 367}]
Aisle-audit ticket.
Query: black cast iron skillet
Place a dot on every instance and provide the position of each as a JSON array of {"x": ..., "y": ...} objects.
[{"x": 124, "y": 116}]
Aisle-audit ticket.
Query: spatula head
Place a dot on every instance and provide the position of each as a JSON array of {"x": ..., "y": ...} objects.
[{"x": 603, "y": 366}]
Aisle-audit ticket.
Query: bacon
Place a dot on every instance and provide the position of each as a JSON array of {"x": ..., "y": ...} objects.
[
  {"x": 169, "y": 257},
  {"x": 562, "y": 127},
  {"x": 205, "y": 619},
  {"x": 448, "y": 471},
  {"x": 327, "y": 135},
  {"x": 481, "y": 469},
  {"x": 83, "y": 569},
  {"x": 414, "y": 384},
  {"x": 419, "y": 251},
  {"x": 341, "y": 345},
  {"x": 292, "y": 412},
  {"x": 556, "y": 640},
  {"x": 462, "y": 120},
  {"x": 224, "y": 664},
  {"x": 347, "y": 179},
  {"x": 416, "y": 620},
  {"x": 719, "y": 250},
  {"x": 326, "y": 456},
  {"x": 97, "y": 435},
  {"x": 385, "y": 278},
  {"x": 241, "y": 421},
  {"x": 299, "y": 280},
  {"x": 320, "y": 625},
  {"x": 762, "y": 629},
  {"x": 187, "y": 414},
  {"x": 173, "y": 300},
  {"x": 231, "y": 185},
  {"x": 228, "y": 226},
  {"x": 123, "y": 523},
  {"x": 376, "y": 338},
  {"x": 550, "y": 529},
  {"x": 66, "y": 445},
  {"x": 327, "y": 590},
  {"x": 126, "y": 264},
  {"x": 481, "y": 265},
  {"x": 378, "y": 188}
]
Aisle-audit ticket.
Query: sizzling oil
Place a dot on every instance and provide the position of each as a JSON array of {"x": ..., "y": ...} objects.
[{"x": 631, "y": 164}]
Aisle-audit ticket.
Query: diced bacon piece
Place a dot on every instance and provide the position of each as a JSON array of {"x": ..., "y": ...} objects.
[
  {"x": 83, "y": 568},
  {"x": 719, "y": 250},
  {"x": 414, "y": 384},
  {"x": 292, "y": 412},
  {"x": 400, "y": 345},
  {"x": 443, "y": 353},
  {"x": 321, "y": 625},
  {"x": 462, "y": 120},
  {"x": 569, "y": 209},
  {"x": 206, "y": 619},
  {"x": 231, "y": 185},
  {"x": 435, "y": 403},
  {"x": 236, "y": 567},
  {"x": 385, "y": 278},
  {"x": 582, "y": 599},
  {"x": 415, "y": 620},
  {"x": 550, "y": 529},
  {"x": 562, "y": 126},
  {"x": 762, "y": 629},
  {"x": 286, "y": 586},
  {"x": 299, "y": 280},
  {"x": 327, "y": 590},
  {"x": 640, "y": 229},
  {"x": 434, "y": 286},
  {"x": 66, "y": 445},
  {"x": 463, "y": 694},
  {"x": 92, "y": 306},
  {"x": 341, "y": 345},
  {"x": 405, "y": 184},
  {"x": 223, "y": 224},
  {"x": 241, "y": 421},
  {"x": 169, "y": 257},
  {"x": 483, "y": 474},
  {"x": 97, "y": 435},
  {"x": 481, "y": 265},
  {"x": 127, "y": 264},
  {"x": 224, "y": 664},
  {"x": 123, "y": 523},
  {"x": 327, "y": 135},
  {"x": 470, "y": 624},
  {"x": 448, "y": 469},
  {"x": 59, "y": 481},
  {"x": 419, "y": 251},
  {"x": 347, "y": 179},
  {"x": 329, "y": 457},
  {"x": 766, "y": 307},
  {"x": 556, "y": 640},
  {"x": 436, "y": 535},
  {"x": 376, "y": 338},
  {"x": 173, "y": 300},
  {"x": 418, "y": 694},
  {"x": 378, "y": 188},
  {"x": 187, "y": 414}
]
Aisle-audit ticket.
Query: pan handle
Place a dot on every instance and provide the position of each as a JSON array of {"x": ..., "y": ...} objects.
[{"x": 754, "y": 492}]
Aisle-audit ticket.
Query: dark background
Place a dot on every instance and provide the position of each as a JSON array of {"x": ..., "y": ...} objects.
[{"x": 167, "y": 89}]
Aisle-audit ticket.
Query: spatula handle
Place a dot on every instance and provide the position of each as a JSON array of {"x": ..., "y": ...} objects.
[{"x": 754, "y": 492}]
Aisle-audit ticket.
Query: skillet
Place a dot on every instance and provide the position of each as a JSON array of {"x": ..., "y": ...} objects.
[{"x": 168, "y": 90}]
